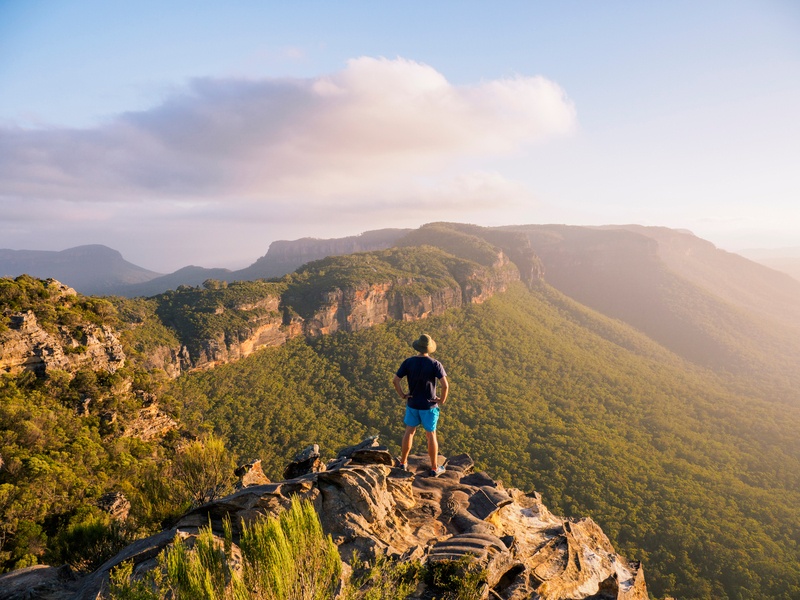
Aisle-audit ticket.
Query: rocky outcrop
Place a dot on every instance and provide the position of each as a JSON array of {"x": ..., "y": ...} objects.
[
  {"x": 357, "y": 307},
  {"x": 250, "y": 474},
  {"x": 115, "y": 504},
  {"x": 265, "y": 329},
  {"x": 370, "y": 507},
  {"x": 306, "y": 461},
  {"x": 150, "y": 423},
  {"x": 27, "y": 346},
  {"x": 40, "y": 582}
]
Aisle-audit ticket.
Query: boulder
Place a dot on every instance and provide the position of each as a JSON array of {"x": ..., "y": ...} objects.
[
  {"x": 304, "y": 462},
  {"x": 115, "y": 504},
  {"x": 40, "y": 581},
  {"x": 251, "y": 474}
]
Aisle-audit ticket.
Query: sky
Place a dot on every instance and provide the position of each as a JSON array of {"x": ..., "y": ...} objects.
[{"x": 199, "y": 132}]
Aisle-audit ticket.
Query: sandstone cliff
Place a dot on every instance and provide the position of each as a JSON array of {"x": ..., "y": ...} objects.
[
  {"x": 433, "y": 269},
  {"x": 348, "y": 294},
  {"x": 369, "y": 507},
  {"x": 358, "y": 306},
  {"x": 28, "y": 346}
]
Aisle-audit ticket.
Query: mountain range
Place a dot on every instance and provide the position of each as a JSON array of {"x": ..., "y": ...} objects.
[
  {"x": 93, "y": 269},
  {"x": 99, "y": 270}
]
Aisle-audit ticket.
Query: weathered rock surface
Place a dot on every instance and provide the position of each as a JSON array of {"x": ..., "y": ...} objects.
[
  {"x": 150, "y": 423},
  {"x": 251, "y": 474},
  {"x": 115, "y": 504},
  {"x": 371, "y": 507},
  {"x": 304, "y": 462},
  {"x": 39, "y": 582},
  {"x": 27, "y": 346}
]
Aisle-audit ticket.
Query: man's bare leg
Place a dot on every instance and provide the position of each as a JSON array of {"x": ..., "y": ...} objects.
[
  {"x": 408, "y": 440},
  {"x": 433, "y": 449}
]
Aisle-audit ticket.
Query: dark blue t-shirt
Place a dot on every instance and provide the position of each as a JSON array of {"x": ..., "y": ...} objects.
[{"x": 422, "y": 373}]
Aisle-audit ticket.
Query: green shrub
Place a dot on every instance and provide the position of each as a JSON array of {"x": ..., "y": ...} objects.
[
  {"x": 89, "y": 539},
  {"x": 461, "y": 579},
  {"x": 290, "y": 558},
  {"x": 287, "y": 557},
  {"x": 203, "y": 470},
  {"x": 384, "y": 579}
]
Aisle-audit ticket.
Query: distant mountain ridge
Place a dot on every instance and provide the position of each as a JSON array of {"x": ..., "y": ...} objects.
[
  {"x": 786, "y": 260},
  {"x": 99, "y": 270},
  {"x": 788, "y": 265},
  {"x": 192, "y": 276},
  {"x": 92, "y": 269},
  {"x": 712, "y": 307},
  {"x": 285, "y": 256}
]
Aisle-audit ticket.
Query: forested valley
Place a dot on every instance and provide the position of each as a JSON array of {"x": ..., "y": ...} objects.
[{"x": 698, "y": 481}]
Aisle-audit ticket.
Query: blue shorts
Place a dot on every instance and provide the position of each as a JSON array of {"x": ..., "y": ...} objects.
[{"x": 426, "y": 418}]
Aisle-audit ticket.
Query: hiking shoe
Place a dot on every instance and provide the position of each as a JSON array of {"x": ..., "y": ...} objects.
[
  {"x": 437, "y": 471},
  {"x": 400, "y": 465}
]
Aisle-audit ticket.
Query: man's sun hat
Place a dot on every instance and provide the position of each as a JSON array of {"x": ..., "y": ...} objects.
[{"x": 424, "y": 344}]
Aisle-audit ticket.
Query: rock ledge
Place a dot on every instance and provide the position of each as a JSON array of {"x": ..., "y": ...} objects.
[{"x": 369, "y": 506}]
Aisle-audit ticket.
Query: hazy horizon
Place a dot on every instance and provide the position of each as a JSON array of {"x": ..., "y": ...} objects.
[
  {"x": 200, "y": 135},
  {"x": 764, "y": 255}
]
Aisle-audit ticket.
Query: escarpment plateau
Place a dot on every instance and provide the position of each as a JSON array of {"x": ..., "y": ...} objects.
[
  {"x": 224, "y": 322},
  {"x": 221, "y": 322}
]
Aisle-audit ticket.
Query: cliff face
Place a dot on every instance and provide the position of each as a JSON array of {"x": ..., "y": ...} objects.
[
  {"x": 353, "y": 308},
  {"x": 369, "y": 507},
  {"x": 438, "y": 268},
  {"x": 264, "y": 328},
  {"x": 26, "y": 346},
  {"x": 324, "y": 298}
]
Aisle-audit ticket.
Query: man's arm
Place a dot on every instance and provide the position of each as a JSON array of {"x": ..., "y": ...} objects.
[
  {"x": 396, "y": 382},
  {"x": 445, "y": 387}
]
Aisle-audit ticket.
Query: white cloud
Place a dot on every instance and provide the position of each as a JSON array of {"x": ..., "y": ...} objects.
[
  {"x": 375, "y": 121},
  {"x": 227, "y": 165}
]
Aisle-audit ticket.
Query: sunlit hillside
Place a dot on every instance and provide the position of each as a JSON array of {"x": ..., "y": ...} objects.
[{"x": 698, "y": 481}]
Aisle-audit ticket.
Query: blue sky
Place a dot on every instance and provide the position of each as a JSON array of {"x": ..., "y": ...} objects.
[{"x": 197, "y": 132}]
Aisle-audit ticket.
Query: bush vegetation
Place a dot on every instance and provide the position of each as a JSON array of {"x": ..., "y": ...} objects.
[{"x": 287, "y": 557}]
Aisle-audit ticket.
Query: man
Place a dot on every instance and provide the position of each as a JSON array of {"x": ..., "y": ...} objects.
[{"x": 422, "y": 404}]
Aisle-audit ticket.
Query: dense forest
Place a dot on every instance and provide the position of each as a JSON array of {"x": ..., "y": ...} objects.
[
  {"x": 698, "y": 481},
  {"x": 690, "y": 465}
]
